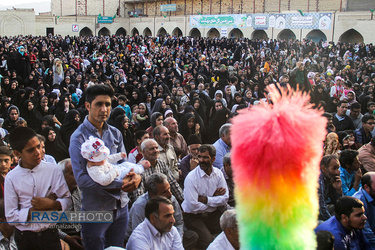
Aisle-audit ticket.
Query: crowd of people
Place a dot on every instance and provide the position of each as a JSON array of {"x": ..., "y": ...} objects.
[{"x": 166, "y": 103}]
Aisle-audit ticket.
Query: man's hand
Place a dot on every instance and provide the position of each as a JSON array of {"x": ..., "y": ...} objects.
[
  {"x": 219, "y": 192},
  {"x": 197, "y": 127},
  {"x": 45, "y": 204},
  {"x": 332, "y": 128},
  {"x": 52, "y": 196},
  {"x": 193, "y": 163},
  {"x": 358, "y": 175},
  {"x": 30, "y": 212},
  {"x": 337, "y": 184},
  {"x": 357, "y": 179},
  {"x": 133, "y": 183},
  {"x": 126, "y": 179},
  {"x": 74, "y": 241},
  {"x": 202, "y": 199},
  {"x": 55, "y": 119}
]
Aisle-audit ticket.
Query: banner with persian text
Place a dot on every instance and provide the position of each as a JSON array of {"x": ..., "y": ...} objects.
[
  {"x": 218, "y": 21},
  {"x": 312, "y": 20},
  {"x": 168, "y": 7},
  {"x": 315, "y": 20}
]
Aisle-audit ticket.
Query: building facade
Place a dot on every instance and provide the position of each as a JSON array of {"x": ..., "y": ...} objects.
[{"x": 351, "y": 19}]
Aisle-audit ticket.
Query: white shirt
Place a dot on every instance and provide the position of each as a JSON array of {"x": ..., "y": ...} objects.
[
  {"x": 132, "y": 156},
  {"x": 197, "y": 183},
  {"x": 49, "y": 158},
  {"x": 22, "y": 184},
  {"x": 146, "y": 236},
  {"x": 137, "y": 214},
  {"x": 220, "y": 243}
]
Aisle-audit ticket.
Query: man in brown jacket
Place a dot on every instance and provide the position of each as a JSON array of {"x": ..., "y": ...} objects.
[{"x": 367, "y": 156}]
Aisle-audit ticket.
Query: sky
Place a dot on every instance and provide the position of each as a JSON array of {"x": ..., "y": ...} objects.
[{"x": 38, "y": 5}]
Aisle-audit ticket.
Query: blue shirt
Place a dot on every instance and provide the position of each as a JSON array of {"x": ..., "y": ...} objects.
[
  {"x": 327, "y": 195},
  {"x": 94, "y": 196},
  {"x": 361, "y": 137},
  {"x": 369, "y": 204},
  {"x": 344, "y": 238},
  {"x": 127, "y": 109},
  {"x": 221, "y": 150},
  {"x": 347, "y": 182}
]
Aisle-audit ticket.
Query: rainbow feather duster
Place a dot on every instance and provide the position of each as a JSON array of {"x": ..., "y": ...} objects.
[{"x": 276, "y": 151}]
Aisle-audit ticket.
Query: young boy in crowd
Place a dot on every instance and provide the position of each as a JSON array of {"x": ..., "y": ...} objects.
[
  {"x": 135, "y": 154},
  {"x": 33, "y": 185},
  {"x": 5, "y": 164},
  {"x": 122, "y": 104}
]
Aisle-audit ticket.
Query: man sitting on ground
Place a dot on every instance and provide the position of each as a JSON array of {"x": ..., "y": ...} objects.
[
  {"x": 157, "y": 185},
  {"x": 157, "y": 230},
  {"x": 177, "y": 140},
  {"x": 355, "y": 114},
  {"x": 190, "y": 161},
  {"x": 367, "y": 194},
  {"x": 222, "y": 145},
  {"x": 347, "y": 224},
  {"x": 350, "y": 172},
  {"x": 363, "y": 135},
  {"x": 205, "y": 191},
  {"x": 228, "y": 239},
  {"x": 341, "y": 121},
  {"x": 330, "y": 186}
]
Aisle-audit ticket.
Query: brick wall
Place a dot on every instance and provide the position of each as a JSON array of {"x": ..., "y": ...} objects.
[
  {"x": 332, "y": 5},
  {"x": 94, "y": 7},
  {"x": 89, "y": 7}
]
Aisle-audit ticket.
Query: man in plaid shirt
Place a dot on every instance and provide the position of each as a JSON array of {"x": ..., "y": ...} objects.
[{"x": 150, "y": 151}]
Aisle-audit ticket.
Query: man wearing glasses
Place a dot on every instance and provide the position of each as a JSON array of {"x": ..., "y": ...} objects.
[{"x": 363, "y": 135}]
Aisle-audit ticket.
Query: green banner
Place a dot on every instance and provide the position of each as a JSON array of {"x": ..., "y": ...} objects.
[
  {"x": 218, "y": 21},
  {"x": 297, "y": 20},
  {"x": 105, "y": 19}
]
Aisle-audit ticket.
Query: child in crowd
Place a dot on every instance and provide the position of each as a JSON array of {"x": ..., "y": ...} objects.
[
  {"x": 104, "y": 172},
  {"x": 122, "y": 104},
  {"x": 33, "y": 185}
]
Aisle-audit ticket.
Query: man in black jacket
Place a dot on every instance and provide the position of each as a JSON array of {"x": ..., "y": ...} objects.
[{"x": 341, "y": 121}]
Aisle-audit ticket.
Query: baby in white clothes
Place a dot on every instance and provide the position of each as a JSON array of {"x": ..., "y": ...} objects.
[{"x": 104, "y": 172}]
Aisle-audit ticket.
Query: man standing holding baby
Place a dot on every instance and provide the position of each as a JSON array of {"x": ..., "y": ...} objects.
[{"x": 96, "y": 197}]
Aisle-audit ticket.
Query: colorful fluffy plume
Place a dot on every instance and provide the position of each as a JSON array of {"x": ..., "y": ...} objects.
[{"x": 276, "y": 151}]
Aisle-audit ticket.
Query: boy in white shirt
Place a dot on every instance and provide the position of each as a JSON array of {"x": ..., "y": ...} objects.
[{"x": 32, "y": 186}]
